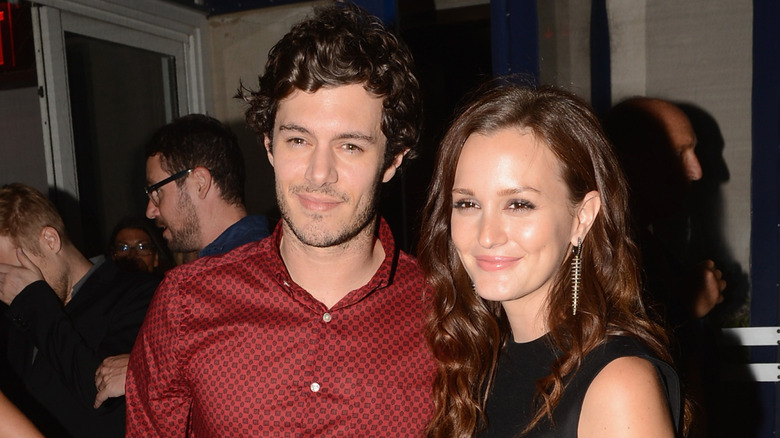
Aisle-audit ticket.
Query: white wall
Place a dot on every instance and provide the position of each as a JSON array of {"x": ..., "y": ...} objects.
[{"x": 564, "y": 45}]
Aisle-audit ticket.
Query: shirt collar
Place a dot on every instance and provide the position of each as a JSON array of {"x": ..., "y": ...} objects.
[
  {"x": 248, "y": 229},
  {"x": 97, "y": 261},
  {"x": 381, "y": 278}
]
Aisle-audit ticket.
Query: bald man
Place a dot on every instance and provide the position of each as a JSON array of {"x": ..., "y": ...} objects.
[{"x": 656, "y": 145}]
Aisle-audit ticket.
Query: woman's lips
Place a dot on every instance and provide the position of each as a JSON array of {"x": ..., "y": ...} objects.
[{"x": 495, "y": 263}]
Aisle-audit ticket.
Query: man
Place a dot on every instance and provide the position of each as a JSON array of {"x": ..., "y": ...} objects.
[
  {"x": 317, "y": 330},
  {"x": 204, "y": 209},
  {"x": 655, "y": 141},
  {"x": 195, "y": 171},
  {"x": 67, "y": 313},
  {"x": 136, "y": 245},
  {"x": 656, "y": 144}
]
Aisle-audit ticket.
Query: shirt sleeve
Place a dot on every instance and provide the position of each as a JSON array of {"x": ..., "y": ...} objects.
[
  {"x": 39, "y": 312},
  {"x": 158, "y": 400}
]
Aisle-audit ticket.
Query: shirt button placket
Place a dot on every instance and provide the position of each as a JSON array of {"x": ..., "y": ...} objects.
[{"x": 315, "y": 387}]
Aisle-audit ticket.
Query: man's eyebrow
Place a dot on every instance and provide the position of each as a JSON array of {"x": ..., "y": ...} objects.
[
  {"x": 357, "y": 136},
  {"x": 293, "y": 127}
]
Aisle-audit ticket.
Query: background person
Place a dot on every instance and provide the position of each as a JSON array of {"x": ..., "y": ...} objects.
[
  {"x": 655, "y": 143},
  {"x": 196, "y": 175},
  {"x": 67, "y": 314},
  {"x": 135, "y": 246},
  {"x": 538, "y": 324}
]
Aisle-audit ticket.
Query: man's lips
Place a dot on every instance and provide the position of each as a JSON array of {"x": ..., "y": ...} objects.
[
  {"x": 496, "y": 263},
  {"x": 317, "y": 202}
]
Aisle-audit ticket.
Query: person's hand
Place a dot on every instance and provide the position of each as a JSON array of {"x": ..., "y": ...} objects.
[
  {"x": 13, "y": 279},
  {"x": 710, "y": 288},
  {"x": 110, "y": 378}
]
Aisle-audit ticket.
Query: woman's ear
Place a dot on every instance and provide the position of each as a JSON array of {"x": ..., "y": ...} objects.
[{"x": 585, "y": 214}]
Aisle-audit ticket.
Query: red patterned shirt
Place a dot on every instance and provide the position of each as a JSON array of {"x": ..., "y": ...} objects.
[{"x": 232, "y": 347}]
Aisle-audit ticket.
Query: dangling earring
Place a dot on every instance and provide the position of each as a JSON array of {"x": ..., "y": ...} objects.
[{"x": 576, "y": 274}]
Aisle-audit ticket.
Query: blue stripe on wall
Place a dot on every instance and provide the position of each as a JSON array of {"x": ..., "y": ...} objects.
[
  {"x": 765, "y": 239},
  {"x": 514, "y": 30},
  {"x": 765, "y": 190}
]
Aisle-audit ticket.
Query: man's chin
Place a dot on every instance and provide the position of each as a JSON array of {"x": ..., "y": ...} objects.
[{"x": 321, "y": 233}]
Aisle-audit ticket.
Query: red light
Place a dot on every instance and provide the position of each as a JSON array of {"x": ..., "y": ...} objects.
[
  {"x": 17, "y": 45},
  {"x": 2, "y": 46},
  {"x": 7, "y": 49}
]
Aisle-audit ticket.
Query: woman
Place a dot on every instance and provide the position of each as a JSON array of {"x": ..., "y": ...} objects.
[
  {"x": 136, "y": 246},
  {"x": 537, "y": 321}
]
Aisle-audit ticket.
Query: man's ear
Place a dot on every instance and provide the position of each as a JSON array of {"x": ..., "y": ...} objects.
[
  {"x": 268, "y": 149},
  {"x": 202, "y": 179},
  {"x": 585, "y": 215},
  {"x": 49, "y": 240},
  {"x": 394, "y": 165}
]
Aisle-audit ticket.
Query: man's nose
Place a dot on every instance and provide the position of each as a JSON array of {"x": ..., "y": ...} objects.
[{"x": 322, "y": 167}]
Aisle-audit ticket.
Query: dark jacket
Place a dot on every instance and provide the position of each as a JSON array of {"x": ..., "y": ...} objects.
[{"x": 57, "y": 389}]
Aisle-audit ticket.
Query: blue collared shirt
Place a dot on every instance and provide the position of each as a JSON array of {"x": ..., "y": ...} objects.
[{"x": 248, "y": 229}]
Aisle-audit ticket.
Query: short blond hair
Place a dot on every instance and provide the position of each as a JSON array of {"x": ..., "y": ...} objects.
[{"x": 24, "y": 212}]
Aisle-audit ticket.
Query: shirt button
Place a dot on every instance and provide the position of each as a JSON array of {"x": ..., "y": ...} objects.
[
  {"x": 315, "y": 387},
  {"x": 326, "y": 317}
]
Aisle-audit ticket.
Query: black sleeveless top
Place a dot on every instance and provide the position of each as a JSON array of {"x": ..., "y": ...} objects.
[{"x": 509, "y": 407}]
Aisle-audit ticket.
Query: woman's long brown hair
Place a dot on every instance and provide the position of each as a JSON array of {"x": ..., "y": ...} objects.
[{"x": 465, "y": 332}]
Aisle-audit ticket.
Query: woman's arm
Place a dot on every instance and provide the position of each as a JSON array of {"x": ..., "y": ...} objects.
[
  {"x": 626, "y": 399},
  {"x": 13, "y": 424}
]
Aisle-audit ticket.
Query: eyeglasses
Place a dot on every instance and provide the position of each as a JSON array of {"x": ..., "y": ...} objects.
[
  {"x": 141, "y": 248},
  {"x": 153, "y": 191}
]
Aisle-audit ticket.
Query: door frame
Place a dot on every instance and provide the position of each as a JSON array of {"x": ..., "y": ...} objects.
[{"x": 161, "y": 27}]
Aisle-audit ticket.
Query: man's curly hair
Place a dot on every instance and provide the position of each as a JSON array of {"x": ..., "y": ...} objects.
[{"x": 341, "y": 45}]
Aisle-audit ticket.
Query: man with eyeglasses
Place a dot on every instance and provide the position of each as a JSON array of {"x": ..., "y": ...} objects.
[
  {"x": 135, "y": 245},
  {"x": 195, "y": 171},
  {"x": 66, "y": 313}
]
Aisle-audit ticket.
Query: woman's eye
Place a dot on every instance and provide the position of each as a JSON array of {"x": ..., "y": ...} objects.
[
  {"x": 521, "y": 205},
  {"x": 462, "y": 205}
]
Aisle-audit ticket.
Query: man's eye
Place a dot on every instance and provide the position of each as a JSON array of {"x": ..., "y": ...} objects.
[{"x": 352, "y": 147}]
